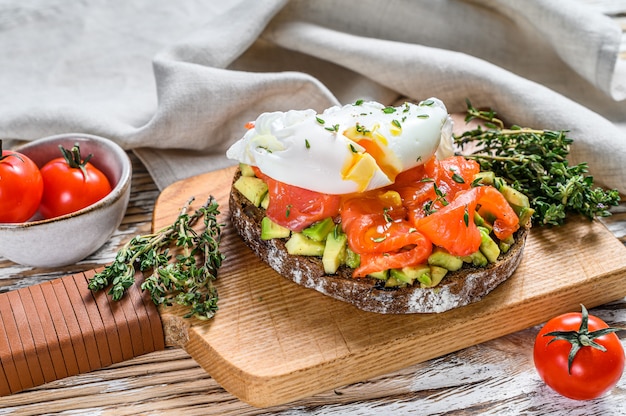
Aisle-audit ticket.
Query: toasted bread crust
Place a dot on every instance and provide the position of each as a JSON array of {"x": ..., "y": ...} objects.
[{"x": 460, "y": 288}]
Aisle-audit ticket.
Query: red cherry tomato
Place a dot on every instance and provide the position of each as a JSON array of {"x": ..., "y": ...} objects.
[
  {"x": 578, "y": 355},
  {"x": 71, "y": 183},
  {"x": 21, "y": 187}
]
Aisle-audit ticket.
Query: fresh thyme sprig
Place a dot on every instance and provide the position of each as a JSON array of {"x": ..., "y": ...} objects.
[
  {"x": 535, "y": 163},
  {"x": 186, "y": 281}
]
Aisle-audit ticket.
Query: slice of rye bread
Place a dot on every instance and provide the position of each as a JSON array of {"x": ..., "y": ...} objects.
[{"x": 460, "y": 288}]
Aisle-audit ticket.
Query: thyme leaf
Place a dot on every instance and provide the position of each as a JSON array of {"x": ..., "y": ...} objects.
[
  {"x": 457, "y": 178},
  {"x": 535, "y": 163},
  {"x": 186, "y": 280}
]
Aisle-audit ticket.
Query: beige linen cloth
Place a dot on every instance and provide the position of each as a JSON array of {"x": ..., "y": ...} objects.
[{"x": 175, "y": 81}]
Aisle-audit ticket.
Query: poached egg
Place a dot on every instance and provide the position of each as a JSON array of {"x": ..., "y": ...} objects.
[{"x": 346, "y": 149}]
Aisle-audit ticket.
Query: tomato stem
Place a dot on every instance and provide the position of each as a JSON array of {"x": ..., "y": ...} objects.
[
  {"x": 581, "y": 338},
  {"x": 73, "y": 159},
  {"x": 2, "y": 156}
]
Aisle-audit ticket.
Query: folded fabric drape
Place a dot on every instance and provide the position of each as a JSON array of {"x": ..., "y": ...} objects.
[{"x": 176, "y": 81}]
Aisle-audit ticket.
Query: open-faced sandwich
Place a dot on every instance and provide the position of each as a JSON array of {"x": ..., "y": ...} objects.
[{"x": 368, "y": 204}]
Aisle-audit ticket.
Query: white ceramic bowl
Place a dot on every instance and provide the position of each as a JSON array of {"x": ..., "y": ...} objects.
[{"x": 65, "y": 240}]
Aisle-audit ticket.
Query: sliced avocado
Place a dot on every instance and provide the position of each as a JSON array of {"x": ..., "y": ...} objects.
[
  {"x": 393, "y": 282},
  {"x": 269, "y": 230},
  {"x": 488, "y": 217},
  {"x": 506, "y": 244},
  {"x": 246, "y": 170},
  {"x": 299, "y": 244},
  {"x": 319, "y": 230},
  {"x": 353, "y": 260},
  {"x": 436, "y": 276},
  {"x": 265, "y": 201},
  {"x": 514, "y": 197},
  {"x": 416, "y": 271},
  {"x": 481, "y": 222},
  {"x": 487, "y": 246},
  {"x": 254, "y": 189},
  {"x": 422, "y": 273},
  {"x": 399, "y": 275},
  {"x": 525, "y": 215},
  {"x": 425, "y": 279},
  {"x": 440, "y": 257},
  {"x": 519, "y": 202},
  {"x": 410, "y": 274},
  {"x": 486, "y": 178},
  {"x": 381, "y": 275},
  {"x": 477, "y": 259},
  {"x": 334, "y": 252}
]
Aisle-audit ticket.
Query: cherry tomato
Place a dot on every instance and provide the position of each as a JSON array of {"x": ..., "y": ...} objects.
[
  {"x": 71, "y": 183},
  {"x": 21, "y": 187},
  {"x": 578, "y": 355}
]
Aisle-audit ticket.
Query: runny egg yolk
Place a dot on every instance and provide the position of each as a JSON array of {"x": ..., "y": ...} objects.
[
  {"x": 361, "y": 166},
  {"x": 357, "y": 147}
]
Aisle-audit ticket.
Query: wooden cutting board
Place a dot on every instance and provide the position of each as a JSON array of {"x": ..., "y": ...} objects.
[{"x": 273, "y": 341}]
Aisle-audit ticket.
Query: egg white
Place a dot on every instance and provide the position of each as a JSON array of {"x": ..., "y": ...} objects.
[{"x": 354, "y": 148}]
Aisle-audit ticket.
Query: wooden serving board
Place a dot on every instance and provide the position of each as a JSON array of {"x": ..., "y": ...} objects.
[{"x": 273, "y": 341}]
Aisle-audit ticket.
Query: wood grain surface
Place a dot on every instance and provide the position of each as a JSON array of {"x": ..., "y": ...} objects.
[
  {"x": 274, "y": 341},
  {"x": 495, "y": 377},
  {"x": 60, "y": 328}
]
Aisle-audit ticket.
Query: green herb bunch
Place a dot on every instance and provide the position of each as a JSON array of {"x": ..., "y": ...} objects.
[
  {"x": 535, "y": 162},
  {"x": 187, "y": 281}
]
